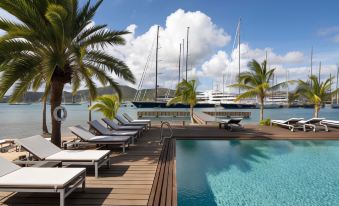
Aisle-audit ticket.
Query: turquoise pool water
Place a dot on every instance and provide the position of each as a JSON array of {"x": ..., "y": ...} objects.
[{"x": 257, "y": 172}]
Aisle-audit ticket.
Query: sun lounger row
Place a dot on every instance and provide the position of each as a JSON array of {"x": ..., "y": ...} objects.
[
  {"x": 65, "y": 180},
  {"x": 299, "y": 123}
]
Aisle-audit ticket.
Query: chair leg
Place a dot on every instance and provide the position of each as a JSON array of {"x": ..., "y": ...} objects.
[
  {"x": 83, "y": 187},
  {"x": 62, "y": 197},
  {"x": 96, "y": 169},
  {"x": 108, "y": 161},
  {"x": 123, "y": 148}
]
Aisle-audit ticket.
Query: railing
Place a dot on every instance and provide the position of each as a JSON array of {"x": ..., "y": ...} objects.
[{"x": 162, "y": 138}]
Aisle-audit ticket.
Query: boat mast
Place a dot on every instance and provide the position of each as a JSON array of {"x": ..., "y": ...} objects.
[
  {"x": 188, "y": 29},
  {"x": 311, "y": 62},
  {"x": 239, "y": 50},
  {"x": 223, "y": 84},
  {"x": 331, "y": 88},
  {"x": 179, "y": 63},
  {"x": 156, "y": 67},
  {"x": 319, "y": 72}
]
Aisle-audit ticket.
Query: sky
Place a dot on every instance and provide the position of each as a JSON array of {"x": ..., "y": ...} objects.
[{"x": 286, "y": 30}]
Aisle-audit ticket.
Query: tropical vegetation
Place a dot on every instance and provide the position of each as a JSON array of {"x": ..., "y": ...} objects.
[
  {"x": 185, "y": 93},
  {"x": 256, "y": 83},
  {"x": 107, "y": 104},
  {"x": 315, "y": 92},
  {"x": 54, "y": 43}
]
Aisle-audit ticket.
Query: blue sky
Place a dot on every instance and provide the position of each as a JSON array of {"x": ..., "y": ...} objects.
[
  {"x": 282, "y": 25},
  {"x": 285, "y": 29}
]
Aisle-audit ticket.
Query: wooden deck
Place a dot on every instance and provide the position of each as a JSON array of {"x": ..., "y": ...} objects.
[
  {"x": 145, "y": 175},
  {"x": 128, "y": 182}
]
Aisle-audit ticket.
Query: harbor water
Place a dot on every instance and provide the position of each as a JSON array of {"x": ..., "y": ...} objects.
[{"x": 18, "y": 121}]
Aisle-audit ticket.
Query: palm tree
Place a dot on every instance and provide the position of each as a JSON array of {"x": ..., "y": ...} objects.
[
  {"x": 185, "y": 93},
  {"x": 256, "y": 83},
  {"x": 108, "y": 105},
  {"x": 44, "y": 110},
  {"x": 315, "y": 92},
  {"x": 55, "y": 39}
]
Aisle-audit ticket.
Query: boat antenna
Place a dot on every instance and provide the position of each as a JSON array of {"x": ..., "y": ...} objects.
[
  {"x": 188, "y": 29},
  {"x": 179, "y": 63},
  {"x": 156, "y": 67}
]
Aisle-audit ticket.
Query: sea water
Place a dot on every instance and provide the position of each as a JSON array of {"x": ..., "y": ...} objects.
[{"x": 17, "y": 121}]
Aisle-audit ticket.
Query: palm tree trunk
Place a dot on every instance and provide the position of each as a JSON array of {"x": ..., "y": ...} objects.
[
  {"x": 56, "y": 98},
  {"x": 261, "y": 108},
  {"x": 44, "y": 124},
  {"x": 316, "y": 110},
  {"x": 191, "y": 114}
]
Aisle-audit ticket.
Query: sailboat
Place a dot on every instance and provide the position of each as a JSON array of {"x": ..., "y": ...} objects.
[
  {"x": 161, "y": 102},
  {"x": 336, "y": 104},
  {"x": 231, "y": 104}
]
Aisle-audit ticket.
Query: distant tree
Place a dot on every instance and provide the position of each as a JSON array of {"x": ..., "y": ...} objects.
[
  {"x": 108, "y": 105},
  {"x": 256, "y": 83},
  {"x": 185, "y": 93},
  {"x": 315, "y": 92}
]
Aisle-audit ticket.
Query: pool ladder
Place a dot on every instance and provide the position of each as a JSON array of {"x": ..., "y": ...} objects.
[{"x": 162, "y": 137}]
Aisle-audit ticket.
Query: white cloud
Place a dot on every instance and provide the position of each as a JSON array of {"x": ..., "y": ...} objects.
[
  {"x": 204, "y": 38},
  {"x": 331, "y": 33},
  {"x": 228, "y": 65}
]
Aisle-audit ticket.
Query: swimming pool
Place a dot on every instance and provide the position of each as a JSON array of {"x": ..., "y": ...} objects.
[{"x": 257, "y": 172}]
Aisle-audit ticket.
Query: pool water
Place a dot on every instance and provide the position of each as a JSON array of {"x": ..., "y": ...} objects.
[{"x": 257, "y": 172}]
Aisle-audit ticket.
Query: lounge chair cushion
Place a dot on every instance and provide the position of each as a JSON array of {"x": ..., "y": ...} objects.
[
  {"x": 30, "y": 177},
  {"x": 79, "y": 155},
  {"x": 110, "y": 139},
  {"x": 38, "y": 146},
  {"x": 82, "y": 132},
  {"x": 104, "y": 131},
  {"x": 7, "y": 167}
]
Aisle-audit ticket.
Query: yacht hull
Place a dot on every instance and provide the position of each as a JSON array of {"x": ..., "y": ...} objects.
[{"x": 164, "y": 105}]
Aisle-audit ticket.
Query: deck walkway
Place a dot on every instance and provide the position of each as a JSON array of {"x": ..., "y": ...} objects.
[{"x": 128, "y": 182}]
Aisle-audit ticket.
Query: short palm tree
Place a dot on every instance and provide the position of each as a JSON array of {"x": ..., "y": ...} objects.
[
  {"x": 315, "y": 92},
  {"x": 108, "y": 105},
  {"x": 185, "y": 93},
  {"x": 256, "y": 83},
  {"x": 56, "y": 43}
]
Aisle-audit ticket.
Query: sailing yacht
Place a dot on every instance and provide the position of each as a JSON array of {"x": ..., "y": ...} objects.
[{"x": 161, "y": 102}]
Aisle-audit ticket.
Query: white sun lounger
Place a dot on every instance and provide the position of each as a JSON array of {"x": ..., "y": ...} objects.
[
  {"x": 125, "y": 122},
  {"x": 131, "y": 120},
  {"x": 45, "y": 150},
  {"x": 41, "y": 180},
  {"x": 330, "y": 123},
  {"x": 229, "y": 122},
  {"x": 90, "y": 138},
  {"x": 102, "y": 130},
  {"x": 117, "y": 127},
  {"x": 290, "y": 123},
  {"x": 312, "y": 123}
]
